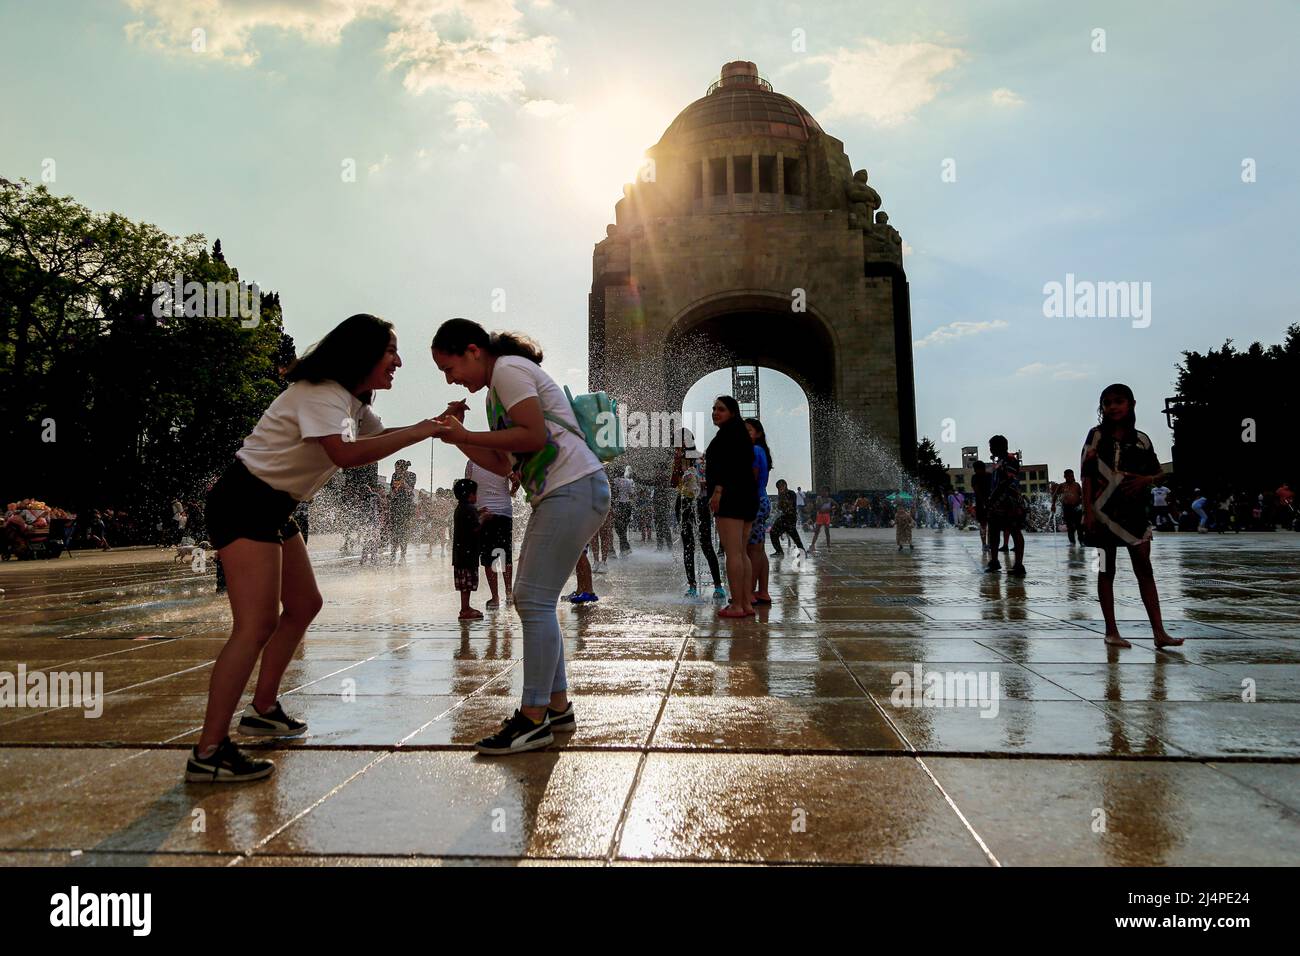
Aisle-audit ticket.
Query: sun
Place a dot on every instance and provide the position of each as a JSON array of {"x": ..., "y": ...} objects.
[{"x": 605, "y": 146}]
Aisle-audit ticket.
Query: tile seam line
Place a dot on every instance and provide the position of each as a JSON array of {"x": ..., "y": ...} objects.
[
  {"x": 616, "y": 838},
  {"x": 979, "y": 841},
  {"x": 1283, "y": 760}
]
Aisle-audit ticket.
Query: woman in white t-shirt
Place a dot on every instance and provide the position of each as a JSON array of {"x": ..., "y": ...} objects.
[
  {"x": 532, "y": 431},
  {"x": 320, "y": 423}
]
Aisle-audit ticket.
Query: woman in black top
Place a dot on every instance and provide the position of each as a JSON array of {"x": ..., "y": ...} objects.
[
  {"x": 1118, "y": 466},
  {"x": 733, "y": 498}
]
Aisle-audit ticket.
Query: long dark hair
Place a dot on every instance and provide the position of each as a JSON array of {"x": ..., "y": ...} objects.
[
  {"x": 1129, "y": 423},
  {"x": 762, "y": 439},
  {"x": 456, "y": 335},
  {"x": 732, "y": 431},
  {"x": 348, "y": 353}
]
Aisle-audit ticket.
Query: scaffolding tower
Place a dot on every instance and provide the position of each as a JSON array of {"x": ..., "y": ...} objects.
[{"x": 744, "y": 389}]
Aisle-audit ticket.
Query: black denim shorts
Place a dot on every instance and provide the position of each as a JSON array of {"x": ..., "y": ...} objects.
[{"x": 241, "y": 505}]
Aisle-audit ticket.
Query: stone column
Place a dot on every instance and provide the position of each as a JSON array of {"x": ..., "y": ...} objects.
[
  {"x": 731, "y": 181},
  {"x": 780, "y": 181}
]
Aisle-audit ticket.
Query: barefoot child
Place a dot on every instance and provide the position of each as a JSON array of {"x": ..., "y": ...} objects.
[
  {"x": 1119, "y": 465},
  {"x": 466, "y": 544},
  {"x": 903, "y": 524}
]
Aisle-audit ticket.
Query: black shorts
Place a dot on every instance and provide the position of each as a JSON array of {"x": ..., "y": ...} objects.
[
  {"x": 496, "y": 537},
  {"x": 741, "y": 506},
  {"x": 241, "y": 505}
]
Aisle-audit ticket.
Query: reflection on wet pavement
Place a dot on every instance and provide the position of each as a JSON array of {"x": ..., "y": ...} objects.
[{"x": 888, "y": 708}]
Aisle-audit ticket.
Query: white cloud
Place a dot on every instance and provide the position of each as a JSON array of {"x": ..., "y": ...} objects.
[
  {"x": 907, "y": 249},
  {"x": 884, "y": 82},
  {"x": 490, "y": 52},
  {"x": 379, "y": 166},
  {"x": 958, "y": 330},
  {"x": 1005, "y": 97},
  {"x": 467, "y": 117},
  {"x": 1060, "y": 371},
  {"x": 545, "y": 109}
]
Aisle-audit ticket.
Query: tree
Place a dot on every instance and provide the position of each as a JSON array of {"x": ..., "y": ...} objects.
[
  {"x": 931, "y": 472},
  {"x": 1234, "y": 416},
  {"x": 146, "y": 403}
]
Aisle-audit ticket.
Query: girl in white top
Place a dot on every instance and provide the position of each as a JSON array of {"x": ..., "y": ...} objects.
[
  {"x": 320, "y": 423},
  {"x": 532, "y": 431}
]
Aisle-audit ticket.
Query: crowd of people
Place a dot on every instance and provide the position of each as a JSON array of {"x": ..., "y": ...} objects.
[{"x": 583, "y": 510}]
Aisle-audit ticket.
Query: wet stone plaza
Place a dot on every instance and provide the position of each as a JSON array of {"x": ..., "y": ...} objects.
[{"x": 889, "y": 708}]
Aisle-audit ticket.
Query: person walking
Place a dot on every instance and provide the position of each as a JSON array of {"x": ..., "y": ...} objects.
[
  {"x": 787, "y": 518},
  {"x": 1070, "y": 494},
  {"x": 531, "y": 430}
]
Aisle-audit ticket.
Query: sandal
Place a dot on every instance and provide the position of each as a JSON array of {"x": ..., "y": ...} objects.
[
  {"x": 470, "y": 615},
  {"x": 760, "y": 599},
  {"x": 727, "y": 612}
]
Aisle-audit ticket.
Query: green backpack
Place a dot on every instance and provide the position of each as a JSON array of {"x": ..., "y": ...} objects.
[{"x": 598, "y": 423}]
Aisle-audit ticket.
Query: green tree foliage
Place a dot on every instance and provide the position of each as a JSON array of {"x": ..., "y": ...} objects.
[
  {"x": 1227, "y": 397},
  {"x": 146, "y": 407},
  {"x": 931, "y": 473}
]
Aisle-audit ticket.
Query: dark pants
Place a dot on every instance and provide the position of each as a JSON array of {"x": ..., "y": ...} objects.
[
  {"x": 663, "y": 531},
  {"x": 622, "y": 516},
  {"x": 785, "y": 525},
  {"x": 1073, "y": 519},
  {"x": 687, "y": 522}
]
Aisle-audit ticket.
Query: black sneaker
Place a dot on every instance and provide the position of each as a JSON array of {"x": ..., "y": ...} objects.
[
  {"x": 228, "y": 764},
  {"x": 1017, "y": 570},
  {"x": 517, "y": 735},
  {"x": 993, "y": 567},
  {"x": 562, "y": 721},
  {"x": 274, "y": 723}
]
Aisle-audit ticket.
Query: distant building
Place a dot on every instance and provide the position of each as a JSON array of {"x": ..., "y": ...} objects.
[{"x": 1033, "y": 478}]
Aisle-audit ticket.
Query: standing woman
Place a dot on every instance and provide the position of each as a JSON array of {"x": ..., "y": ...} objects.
[
  {"x": 1119, "y": 465},
  {"x": 758, "y": 534},
  {"x": 532, "y": 431},
  {"x": 733, "y": 499},
  {"x": 320, "y": 423}
]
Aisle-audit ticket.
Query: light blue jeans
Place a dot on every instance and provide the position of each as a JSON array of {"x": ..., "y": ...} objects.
[{"x": 560, "y": 526}]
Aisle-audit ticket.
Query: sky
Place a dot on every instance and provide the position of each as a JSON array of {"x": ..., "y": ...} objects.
[{"x": 1013, "y": 144}]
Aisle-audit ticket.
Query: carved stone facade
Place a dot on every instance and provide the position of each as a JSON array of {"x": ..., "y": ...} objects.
[{"x": 749, "y": 238}]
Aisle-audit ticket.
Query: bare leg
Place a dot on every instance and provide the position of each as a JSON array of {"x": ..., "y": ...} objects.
[
  {"x": 253, "y": 586},
  {"x": 1106, "y": 597},
  {"x": 758, "y": 560},
  {"x": 738, "y": 578},
  {"x": 301, "y": 601},
  {"x": 747, "y": 596},
  {"x": 1141, "y": 557}
]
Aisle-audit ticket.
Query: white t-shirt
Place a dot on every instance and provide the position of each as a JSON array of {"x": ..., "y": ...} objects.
[
  {"x": 1160, "y": 496},
  {"x": 493, "y": 490},
  {"x": 278, "y": 451},
  {"x": 565, "y": 457},
  {"x": 624, "y": 489}
]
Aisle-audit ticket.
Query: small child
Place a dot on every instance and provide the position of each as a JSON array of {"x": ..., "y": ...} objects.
[
  {"x": 586, "y": 592},
  {"x": 903, "y": 523},
  {"x": 465, "y": 545}
]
